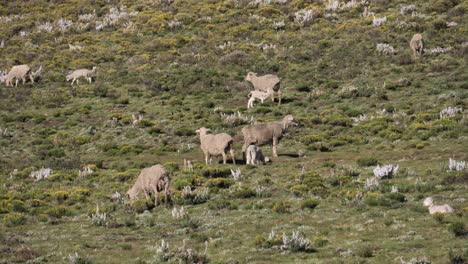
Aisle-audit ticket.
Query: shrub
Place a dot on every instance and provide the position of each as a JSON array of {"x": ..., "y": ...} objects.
[
  {"x": 281, "y": 207},
  {"x": 77, "y": 259},
  {"x": 14, "y": 219},
  {"x": 457, "y": 228},
  {"x": 219, "y": 183},
  {"x": 439, "y": 217},
  {"x": 458, "y": 257},
  {"x": 222, "y": 203},
  {"x": 216, "y": 172},
  {"x": 320, "y": 241},
  {"x": 244, "y": 192},
  {"x": 396, "y": 196},
  {"x": 196, "y": 196},
  {"x": 184, "y": 131},
  {"x": 364, "y": 251},
  {"x": 309, "y": 204},
  {"x": 367, "y": 161},
  {"x": 58, "y": 212},
  {"x": 139, "y": 206}
]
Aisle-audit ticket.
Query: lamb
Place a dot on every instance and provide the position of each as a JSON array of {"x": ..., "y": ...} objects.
[
  {"x": 18, "y": 72},
  {"x": 417, "y": 45},
  {"x": 3, "y": 75},
  {"x": 151, "y": 180},
  {"x": 85, "y": 73},
  {"x": 254, "y": 156},
  {"x": 214, "y": 145},
  {"x": 266, "y": 83},
  {"x": 262, "y": 134},
  {"x": 444, "y": 209},
  {"x": 257, "y": 95}
]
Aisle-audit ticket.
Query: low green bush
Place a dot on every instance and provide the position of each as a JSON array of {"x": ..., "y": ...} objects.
[{"x": 14, "y": 219}]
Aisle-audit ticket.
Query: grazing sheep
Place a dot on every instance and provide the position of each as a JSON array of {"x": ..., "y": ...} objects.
[
  {"x": 444, "y": 209},
  {"x": 262, "y": 134},
  {"x": 254, "y": 156},
  {"x": 18, "y": 72},
  {"x": 151, "y": 180},
  {"x": 417, "y": 45},
  {"x": 266, "y": 83},
  {"x": 85, "y": 73},
  {"x": 257, "y": 95},
  {"x": 214, "y": 145},
  {"x": 3, "y": 75}
]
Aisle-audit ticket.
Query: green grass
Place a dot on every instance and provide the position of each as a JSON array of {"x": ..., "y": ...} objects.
[{"x": 180, "y": 79}]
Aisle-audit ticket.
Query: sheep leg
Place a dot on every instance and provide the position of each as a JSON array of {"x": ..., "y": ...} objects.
[
  {"x": 166, "y": 191},
  {"x": 272, "y": 96},
  {"x": 147, "y": 196},
  {"x": 275, "y": 143},
  {"x": 233, "y": 157},
  {"x": 16, "y": 82},
  {"x": 89, "y": 79},
  {"x": 73, "y": 81},
  {"x": 280, "y": 95},
  {"x": 224, "y": 158},
  {"x": 31, "y": 77},
  {"x": 206, "y": 159},
  {"x": 156, "y": 197}
]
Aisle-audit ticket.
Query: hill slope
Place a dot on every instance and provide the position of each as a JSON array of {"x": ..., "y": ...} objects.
[{"x": 181, "y": 65}]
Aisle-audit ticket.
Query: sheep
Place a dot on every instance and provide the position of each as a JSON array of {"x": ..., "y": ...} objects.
[
  {"x": 18, "y": 72},
  {"x": 214, "y": 145},
  {"x": 266, "y": 83},
  {"x": 444, "y": 209},
  {"x": 262, "y": 134},
  {"x": 151, "y": 180},
  {"x": 257, "y": 95},
  {"x": 417, "y": 45},
  {"x": 81, "y": 73},
  {"x": 254, "y": 156},
  {"x": 3, "y": 75}
]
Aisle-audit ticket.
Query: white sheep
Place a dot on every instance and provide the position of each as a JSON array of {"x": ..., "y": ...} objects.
[
  {"x": 262, "y": 134},
  {"x": 85, "y": 73},
  {"x": 214, "y": 145},
  {"x": 3, "y": 75},
  {"x": 18, "y": 72},
  {"x": 444, "y": 209},
  {"x": 151, "y": 180},
  {"x": 266, "y": 83},
  {"x": 260, "y": 95},
  {"x": 417, "y": 45},
  {"x": 254, "y": 155},
  {"x": 136, "y": 119}
]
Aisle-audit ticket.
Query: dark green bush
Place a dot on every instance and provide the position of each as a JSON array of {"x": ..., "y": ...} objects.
[
  {"x": 367, "y": 161},
  {"x": 457, "y": 228},
  {"x": 244, "y": 192},
  {"x": 309, "y": 204},
  {"x": 14, "y": 219},
  {"x": 281, "y": 207},
  {"x": 219, "y": 183}
]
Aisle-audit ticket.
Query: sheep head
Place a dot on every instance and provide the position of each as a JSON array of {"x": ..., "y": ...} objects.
[
  {"x": 250, "y": 76},
  {"x": 289, "y": 121},
  {"x": 3, "y": 75},
  {"x": 428, "y": 202},
  {"x": 132, "y": 194},
  {"x": 202, "y": 130}
]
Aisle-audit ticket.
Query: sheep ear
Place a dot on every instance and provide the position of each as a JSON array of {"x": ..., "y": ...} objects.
[{"x": 197, "y": 131}]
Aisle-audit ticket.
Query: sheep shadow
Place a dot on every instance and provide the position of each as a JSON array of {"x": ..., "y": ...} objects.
[
  {"x": 286, "y": 100},
  {"x": 291, "y": 155}
]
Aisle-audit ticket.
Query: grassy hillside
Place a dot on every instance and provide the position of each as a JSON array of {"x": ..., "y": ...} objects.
[{"x": 181, "y": 65}]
